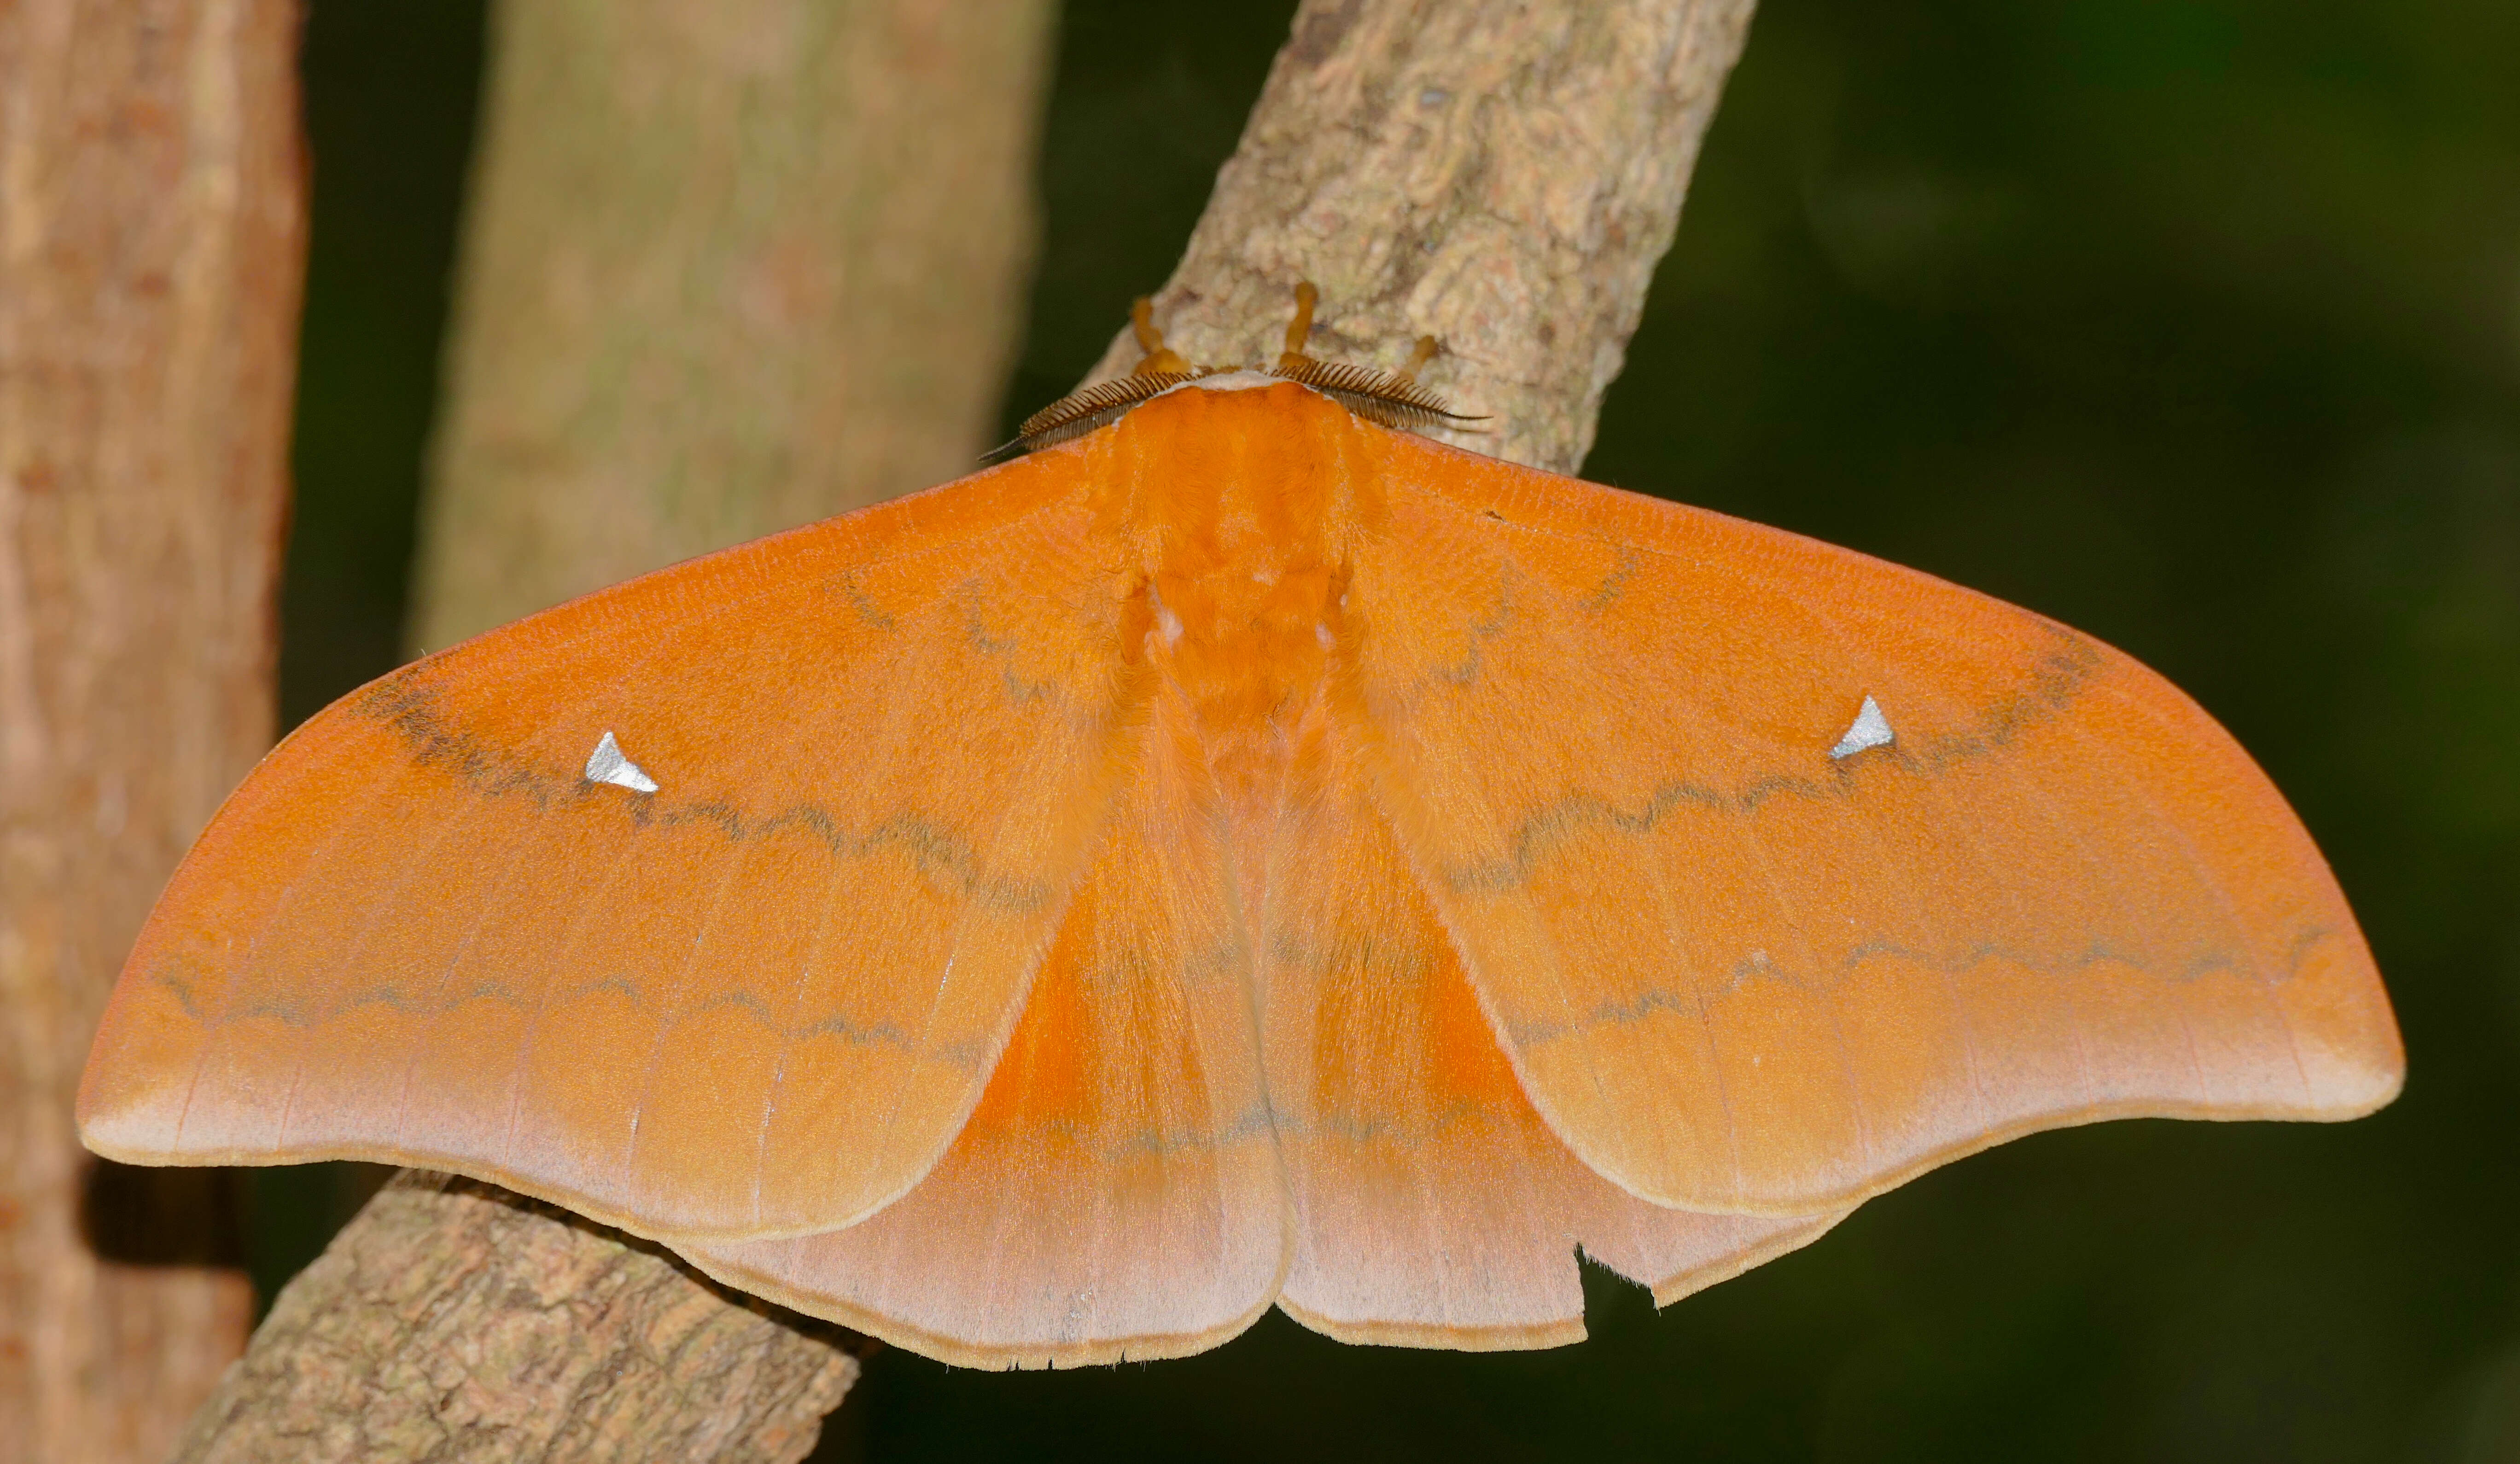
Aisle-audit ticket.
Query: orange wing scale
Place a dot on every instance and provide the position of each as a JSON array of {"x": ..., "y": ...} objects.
[
  {"x": 1242, "y": 855},
  {"x": 2059, "y": 893},
  {"x": 760, "y": 1000}
]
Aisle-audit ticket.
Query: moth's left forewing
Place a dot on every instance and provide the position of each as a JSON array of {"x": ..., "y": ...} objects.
[{"x": 1783, "y": 874}]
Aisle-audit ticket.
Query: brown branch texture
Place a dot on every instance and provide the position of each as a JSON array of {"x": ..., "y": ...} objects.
[
  {"x": 151, "y": 251},
  {"x": 1500, "y": 176},
  {"x": 455, "y": 1323}
]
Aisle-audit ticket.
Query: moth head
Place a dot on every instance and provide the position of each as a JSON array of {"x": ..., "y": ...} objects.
[{"x": 1391, "y": 398}]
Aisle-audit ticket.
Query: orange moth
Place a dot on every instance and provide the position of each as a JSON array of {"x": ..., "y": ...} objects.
[{"x": 1239, "y": 853}]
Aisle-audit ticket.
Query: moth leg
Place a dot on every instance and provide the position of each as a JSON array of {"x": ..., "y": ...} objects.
[
  {"x": 1427, "y": 349},
  {"x": 1162, "y": 360},
  {"x": 1292, "y": 361}
]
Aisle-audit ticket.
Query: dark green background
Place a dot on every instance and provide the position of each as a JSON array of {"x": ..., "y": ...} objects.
[{"x": 2196, "y": 326}]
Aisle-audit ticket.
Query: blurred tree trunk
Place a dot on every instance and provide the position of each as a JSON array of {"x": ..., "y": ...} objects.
[
  {"x": 152, "y": 246},
  {"x": 1503, "y": 174},
  {"x": 729, "y": 268}
]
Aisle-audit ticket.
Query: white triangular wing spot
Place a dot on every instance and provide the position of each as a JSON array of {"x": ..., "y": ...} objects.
[
  {"x": 606, "y": 764},
  {"x": 1871, "y": 729}
]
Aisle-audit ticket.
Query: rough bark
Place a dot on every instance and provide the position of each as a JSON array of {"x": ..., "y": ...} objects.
[
  {"x": 151, "y": 254},
  {"x": 455, "y": 1321},
  {"x": 731, "y": 267},
  {"x": 1500, "y": 175}
]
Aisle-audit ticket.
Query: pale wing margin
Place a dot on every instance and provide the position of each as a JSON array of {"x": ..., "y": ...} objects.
[
  {"x": 1750, "y": 955},
  {"x": 758, "y": 1000}
]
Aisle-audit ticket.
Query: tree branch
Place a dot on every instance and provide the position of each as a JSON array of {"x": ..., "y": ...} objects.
[
  {"x": 453, "y": 1320},
  {"x": 1501, "y": 174}
]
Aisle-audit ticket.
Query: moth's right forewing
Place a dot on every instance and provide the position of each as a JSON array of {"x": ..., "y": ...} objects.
[{"x": 758, "y": 1000}]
